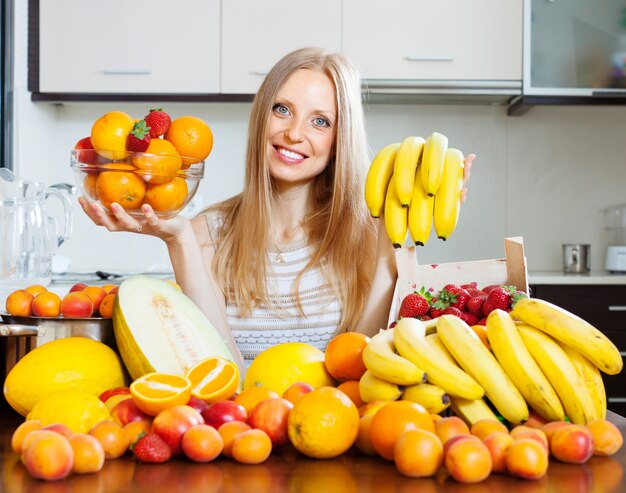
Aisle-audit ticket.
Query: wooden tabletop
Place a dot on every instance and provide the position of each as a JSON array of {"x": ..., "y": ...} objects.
[{"x": 288, "y": 471}]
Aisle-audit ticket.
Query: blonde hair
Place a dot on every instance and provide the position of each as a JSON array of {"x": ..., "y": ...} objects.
[{"x": 340, "y": 229}]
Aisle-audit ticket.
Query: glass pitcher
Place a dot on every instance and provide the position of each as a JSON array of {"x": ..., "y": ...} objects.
[{"x": 28, "y": 236}]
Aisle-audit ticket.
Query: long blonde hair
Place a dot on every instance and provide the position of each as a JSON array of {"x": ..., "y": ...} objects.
[{"x": 340, "y": 229}]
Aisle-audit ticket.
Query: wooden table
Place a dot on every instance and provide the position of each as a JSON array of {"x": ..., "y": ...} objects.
[{"x": 288, "y": 471}]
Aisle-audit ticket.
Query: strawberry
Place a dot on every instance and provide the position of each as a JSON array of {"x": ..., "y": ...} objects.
[
  {"x": 475, "y": 304},
  {"x": 482, "y": 321},
  {"x": 159, "y": 122},
  {"x": 455, "y": 295},
  {"x": 437, "y": 307},
  {"x": 489, "y": 287},
  {"x": 151, "y": 448},
  {"x": 498, "y": 297},
  {"x": 425, "y": 318},
  {"x": 469, "y": 318},
  {"x": 138, "y": 139},
  {"x": 451, "y": 310},
  {"x": 470, "y": 285},
  {"x": 413, "y": 305}
]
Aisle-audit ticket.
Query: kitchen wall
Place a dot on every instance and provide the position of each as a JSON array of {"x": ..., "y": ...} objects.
[{"x": 545, "y": 175}]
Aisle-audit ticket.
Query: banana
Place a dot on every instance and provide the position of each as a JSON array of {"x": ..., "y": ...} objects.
[
  {"x": 434, "y": 399},
  {"x": 434, "y": 341},
  {"x": 382, "y": 361},
  {"x": 420, "y": 214},
  {"x": 409, "y": 338},
  {"x": 378, "y": 177},
  {"x": 448, "y": 199},
  {"x": 396, "y": 218},
  {"x": 471, "y": 410},
  {"x": 519, "y": 365},
  {"x": 571, "y": 330},
  {"x": 590, "y": 374},
  {"x": 431, "y": 167},
  {"x": 405, "y": 166},
  {"x": 561, "y": 373},
  {"x": 481, "y": 364},
  {"x": 372, "y": 388}
]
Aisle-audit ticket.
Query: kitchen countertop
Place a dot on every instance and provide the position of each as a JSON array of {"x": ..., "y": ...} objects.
[{"x": 559, "y": 277}]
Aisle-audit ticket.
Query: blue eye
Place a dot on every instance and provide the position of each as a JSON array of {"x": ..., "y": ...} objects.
[
  {"x": 281, "y": 109},
  {"x": 322, "y": 122}
]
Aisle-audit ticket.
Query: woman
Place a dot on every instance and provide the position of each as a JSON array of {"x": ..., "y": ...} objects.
[{"x": 296, "y": 255}]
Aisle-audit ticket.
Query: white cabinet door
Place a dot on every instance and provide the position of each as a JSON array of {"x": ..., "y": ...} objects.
[
  {"x": 257, "y": 33},
  {"x": 434, "y": 39},
  {"x": 121, "y": 46}
]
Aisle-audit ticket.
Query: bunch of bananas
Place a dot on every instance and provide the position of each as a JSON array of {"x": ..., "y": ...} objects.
[
  {"x": 416, "y": 184},
  {"x": 541, "y": 357}
]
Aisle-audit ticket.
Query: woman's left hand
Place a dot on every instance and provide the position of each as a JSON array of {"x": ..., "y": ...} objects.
[{"x": 469, "y": 159}]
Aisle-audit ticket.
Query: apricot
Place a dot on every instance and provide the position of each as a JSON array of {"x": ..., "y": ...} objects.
[
  {"x": 456, "y": 438},
  {"x": 364, "y": 439},
  {"x": 97, "y": 294},
  {"x": 76, "y": 304},
  {"x": 270, "y": 416},
  {"x": 522, "y": 431},
  {"x": 572, "y": 444},
  {"x": 172, "y": 423},
  {"x": 18, "y": 303},
  {"x": 527, "y": 458},
  {"x": 498, "y": 444},
  {"x": 229, "y": 431},
  {"x": 550, "y": 427},
  {"x": 251, "y": 447},
  {"x": 449, "y": 426},
  {"x": 46, "y": 304},
  {"x": 607, "y": 438},
  {"x": 418, "y": 453},
  {"x": 49, "y": 456},
  {"x": 112, "y": 437},
  {"x": 109, "y": 287},
  {"x": 21, "y": 431},
  {"x": 135, "y": 429},
  {"x": 35, "y": 289},
  {"x": 88, "y": 453},
  {"x": 297, "y": 390},
  {"x": 30, "y": 437},
  {"x": 202, "y": 443},
  {"x": 106, "y": 306},
  {"x": 79, "y": 286},
  {"x": 468, "y": 461},
  {"x": 60, "y": 428},
  {"x": 484, "y": 427}
]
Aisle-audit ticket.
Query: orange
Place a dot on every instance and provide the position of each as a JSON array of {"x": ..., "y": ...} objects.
[
  {"x": 213, "y": 379},
  {"x": 229, "y": 431},
  {"x": 168, "y": 196},
  {"x": 418, "y": 453},
  {"x": 481, "y": 332},
  {"x": 323, "y": 423},
  {"x": 123, "y": 186},
  {"x": 192, "y": 138},
  {"x": 89, "y": 186},
  {"x": 155, "y": 392},
  {"x": 344, "y": 356},
  {"x": 112, "y": 438},
  {"x": 251, "y": 447},
  {"x": 109, "y": 134},
  {"x": 251, "y": 396},
  {"x": 18, "y": 303},
  {"x": 159, "y": 163},
  {"x": 392, "y": 420},
  {"x": 351, "y": 389}
]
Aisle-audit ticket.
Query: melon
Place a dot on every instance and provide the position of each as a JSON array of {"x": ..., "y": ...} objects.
[
  {"x": 72, "y": 363},
  {"x": 159, "y": 329}
]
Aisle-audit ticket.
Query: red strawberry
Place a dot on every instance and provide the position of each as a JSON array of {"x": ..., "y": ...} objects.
[
  {"x": 138, "y": 139},
  {"x": 158, "y": 122},
  {"x": 489, "y": 287},
  {"x": 482, "y": 321},
  {"x": 475, "y": 304},
  {"x": 151, "y": 448},
  {"x": 437, "y": 307},
  {"x": 451, "y": 310},
  {"x": 498, "y": 297},
  {"x": 455, "y": 295},
  {"x": 474, "y": 292},
  {"x": 413, "y": 305},
  {"x": 470, "y": 285},
  {"x": 469, "y": 318},
  {"x": 424, "y": 318}
]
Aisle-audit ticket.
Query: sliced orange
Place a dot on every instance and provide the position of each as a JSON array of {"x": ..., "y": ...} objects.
[
  {"x": 213, "y": 379},
  {"x": 155, "y": 392}
]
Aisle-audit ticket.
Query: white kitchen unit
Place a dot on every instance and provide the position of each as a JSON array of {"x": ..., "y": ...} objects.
[
  {"x": 256, "y": 33},
  {"x": 117, "y": 46},
  {"x": 421, "y": 42}
]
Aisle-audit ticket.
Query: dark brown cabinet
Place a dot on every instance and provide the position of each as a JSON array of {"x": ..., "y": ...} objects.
[{"x": 603, "y": 306}]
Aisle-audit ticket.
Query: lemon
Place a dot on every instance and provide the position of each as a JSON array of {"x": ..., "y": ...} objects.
[
  {"x": 109, "y": 134},
  {"x": 78, "y": 410},
  {"x": 284, "y": 364},
  {"x": 63, "y": 364}
]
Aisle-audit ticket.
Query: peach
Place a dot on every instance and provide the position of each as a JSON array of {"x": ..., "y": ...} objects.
[
  {"x": 49, "y": 456},
  {"x": 572, "y": 444},
  {"x": 446, "y": 428},
  {"x": 484, "y": 427},
  {"x": 297, "y": 390},
  {"x": 18, "y": 303},
  {"x": 522, "y": 431},
  {"x": 21, "y": 431},
  {"x": 171, "y": 424},
  {"x": 457, "y": 438},
  {"x": 550, "y": 427},
  {"x": 60, "y": 428},
  {"x": 527, "y": 458},
  {"x": 76, "y": 305},
  {"x": 271, "y": 416},
  {"x": 30, "y": 437},
  {"x": 46, "y": 304},
  {"x": 97, "y": 294},
  {"x": 126, "y": 411},
  {"x": 607, "y": 438},
  {"x": 220, "y": 412},
  {"x": 114, "y": 440},
  {"x": 88, "y": 453},
  {"x": 79, "y": 286},
  {"x": 418, "y": 453},
  {"x": 202, "y": 443},
  {"x": 467, "y": 460},
  {"x": 498, "y": 444},
  {"x": 198, "y": 404}
]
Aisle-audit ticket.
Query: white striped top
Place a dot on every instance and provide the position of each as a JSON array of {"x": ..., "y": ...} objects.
[{"x": 280, "y": 321}]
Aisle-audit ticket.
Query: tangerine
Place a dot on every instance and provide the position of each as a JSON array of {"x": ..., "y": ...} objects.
[
  {"x": 160, "y": 162},
  {"x": 155, "y": 392},
  {"x": 123, "y": 186},
  {"x": 109, "y": 134},
  {"x": 344, "y": 356},
  {"x": 192, "y": 138},
  {"x": 168, "y": 196}
]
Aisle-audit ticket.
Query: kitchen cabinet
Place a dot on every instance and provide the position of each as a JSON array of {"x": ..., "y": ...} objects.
[
  {"x": 442, "y": 40},
  {"x": 603, "y": 306},
  {"x": 256, "y": 34},
  {"x": 138, "y": 47}
]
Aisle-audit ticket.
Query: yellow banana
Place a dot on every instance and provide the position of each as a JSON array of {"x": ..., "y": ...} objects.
[
  {"x": 561, "y": 373},
  {"x": 519, "y": 365},
  {"x": 434, "y": 341},
  {"x": 378, "y": 177},
  {"x": 434, "y": 399},
  {"x": 448, "y": 199},
  {"x": 481, "y": 364},
  {"x": 431, "y": 167},
  {"x": 409, "y": 338},
  {"x": 571, "y": 330},
  {"x": 396, "y": 218},
  {"x": 471, "y": 410},
  {"x": 420, "y": 214},
  {"x": 372, "y": 388},
  {"x": 405, "y": 166},
  {"x": 381, "y": 359},
  {"x": 590, "y": 374}
]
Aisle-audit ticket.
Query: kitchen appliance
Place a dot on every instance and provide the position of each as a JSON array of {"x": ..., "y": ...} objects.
[
  {"x": 615, "y": 224},
  {"x": 616, "y": 259},
  {"x": 576, "y": 258}
]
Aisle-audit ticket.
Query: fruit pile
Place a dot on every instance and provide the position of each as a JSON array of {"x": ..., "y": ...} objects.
[{"x": 417, "y": 184}]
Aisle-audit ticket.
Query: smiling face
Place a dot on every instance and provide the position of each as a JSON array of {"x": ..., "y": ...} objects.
[{"x": 301, "y": 127}]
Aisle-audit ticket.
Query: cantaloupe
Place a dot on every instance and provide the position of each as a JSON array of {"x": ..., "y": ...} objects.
[{"x": 158, "y": 328}]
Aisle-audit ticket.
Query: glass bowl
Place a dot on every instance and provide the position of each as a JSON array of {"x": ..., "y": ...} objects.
[{"x": 132, "y": 179}]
